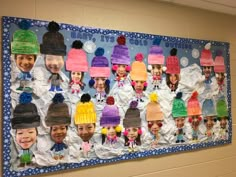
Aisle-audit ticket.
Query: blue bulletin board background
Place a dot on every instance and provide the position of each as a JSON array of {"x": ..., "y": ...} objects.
[{"x": 189, "y": 51}]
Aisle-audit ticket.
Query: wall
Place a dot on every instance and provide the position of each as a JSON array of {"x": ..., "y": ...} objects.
[{"x": 155, "y": 18}]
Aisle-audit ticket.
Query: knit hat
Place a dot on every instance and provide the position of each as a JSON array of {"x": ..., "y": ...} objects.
[
  {"x": 53, "y": 41},
  {"x": 85, "y": 111},
  {"x": 99, "y": 65},
  {"x": 172, "y": 63},
  {"x": 208, "y": 108},
  {"x": 153, "y": 109},
  {"x": 155, "y": 55},
  {"x": 178, "y": 107},
  {"x": 120, "y": 54},
  {"x": 25, "y": 114},
  {"x": 219, "y": 64},
  {"x": 132, "y": 116},
  {"x": 77, "y": 58},
  {"x": 138, "y": 69},
  {"x": 110, "y": 113},
  {"x": 206, "y": 56},
  {"x": 58, "y": 112},
  {"x": 25, "y": 41},
  {"x": 194, "y": 105},
  {"x": 221, "y": 108}
]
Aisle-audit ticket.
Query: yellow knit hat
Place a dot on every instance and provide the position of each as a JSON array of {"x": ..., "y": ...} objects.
[
  {"x": 85, "y": 111},
  {"x": 138, "y": 69}
]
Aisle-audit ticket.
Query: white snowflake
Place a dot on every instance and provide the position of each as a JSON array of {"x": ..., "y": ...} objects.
[
  {"x": 195, "y": 53},
  {"x": 184, "y": 61}
]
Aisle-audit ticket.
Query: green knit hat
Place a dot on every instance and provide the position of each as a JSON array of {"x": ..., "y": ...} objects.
[
  {"x": 25, "y": 41},
  {"x": 178, "y": 107},
  {"x": 221, "y": 108}
]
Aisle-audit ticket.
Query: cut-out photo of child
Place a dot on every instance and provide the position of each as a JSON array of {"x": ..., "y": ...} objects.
[
  {"x": 138, "y": 76},
  {"x": 194, "y": 115},
  {"x": 25, "y": 48},
  {"x": 77, "y": 64},
  {"x": 58, "y": 119},
  {"x": 219, "y": 68},
  {"x": 132, "y": 125},
  {"x": 223, "y": 117},
  {"x": 209, "y": 115},
  {"x": 154, "y": 118},
  {"x": 54, "y": 49},
  {"x": 100, "y": 73},
  {"x": 85, "y": 120},
  {"x": 110, "y": 123},
  {"x": 156, "y": 61},
  {"x": 25, "y": 121},
  {"x": 207, "y": 63},
  {"x": 120, "y": 61},
  {"x": 179, "y": 113}
]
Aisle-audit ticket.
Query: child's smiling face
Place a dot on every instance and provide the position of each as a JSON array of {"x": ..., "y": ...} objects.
[
  {"x": 25, "y": 138},
  {"x": 58, "y": 133},
  {"x": 25, "y": 62}
]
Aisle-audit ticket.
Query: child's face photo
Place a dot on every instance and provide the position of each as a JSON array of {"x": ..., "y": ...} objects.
[
  {"x": 156, "y": 70},
  {"x": 207, "y": 71},
  {"x": 54, "y": 63},
  {"x": 179, "y": 122},
  {"x": 25, "y": 62},
  {"x": 132, "y": 133},
  {"x": 195, "y": 122},
  {"x": 173, "y": 78},
  {"x": 25, "y": 138},
  {"x": 111, "y": 131},
  {"x": 76, "y": 76},
  {"x": 223, "y": 122},
  {"x": 139, "y": 85},
  {"x": 209, "y": 122},
  {"x": 86, "y": 131},
  {"x": 154, "y": 126},
  {"x": 221, "y": 77},
  {"x": 58, "y": 133},
  {"x": 100, "y": 83},
  {"x": 121, "y": 71}
]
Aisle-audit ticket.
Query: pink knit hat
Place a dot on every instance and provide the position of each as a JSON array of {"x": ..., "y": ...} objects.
[
  {"x": 155, "y": 55},
  {"x": 219, "y": 65},
  {"x": 99, "y": 65},
  {"x": 206, "y": 56},
  {"x": 194, "y": 105},
  {"x": 172, "y": 63},
  {"x": 77, "y": 59}
]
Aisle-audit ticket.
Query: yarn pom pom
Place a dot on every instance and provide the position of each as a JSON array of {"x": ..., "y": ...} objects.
[
  {"x": 53, "y": 26},
  {"x": 24, "y": 25},
  {"x": 157, "y": 41},
  {"x": 121, "y": 40},
  {"x": 107, "y": 82},
  {"x": 77, "y": 44},
  {"x": 110, "y": 100},
  {"x": 153, "y": 97},
  {"x": 58, "y": 98},
  {"x": 139, "y": 57},
  {"x": 118, "y": 129},
  {"x": 85, "y": 98},
  {"x": 173, "y": 52},
  {"x": 194, "y": 95},
  {"x": 179, "y": 95},
  {"x": 104, "y": 131},
  {"x": 128, "y": 68},
  {"x": 208, "y": 46},
  {"x": 99, "y": 51},
  {"x": 25, "y": 98},
  {"x": 91, "y": 82},
  {"x": 133, "y": 104},
  {"x": 219, "y": 53}
]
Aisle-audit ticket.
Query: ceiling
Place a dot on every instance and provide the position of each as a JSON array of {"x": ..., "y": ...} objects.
[{"x": 222, "y": 6}]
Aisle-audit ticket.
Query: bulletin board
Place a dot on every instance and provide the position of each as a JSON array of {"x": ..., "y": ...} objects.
[{"x": 160, "y": 95}]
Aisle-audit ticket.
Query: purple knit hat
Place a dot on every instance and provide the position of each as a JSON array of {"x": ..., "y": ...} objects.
[
  {"x": 99, "y": 65},
  {"x": 155, "y": 55},
  {"x": 120, "y": 54},
  {"x": 110, "y": 113}
]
